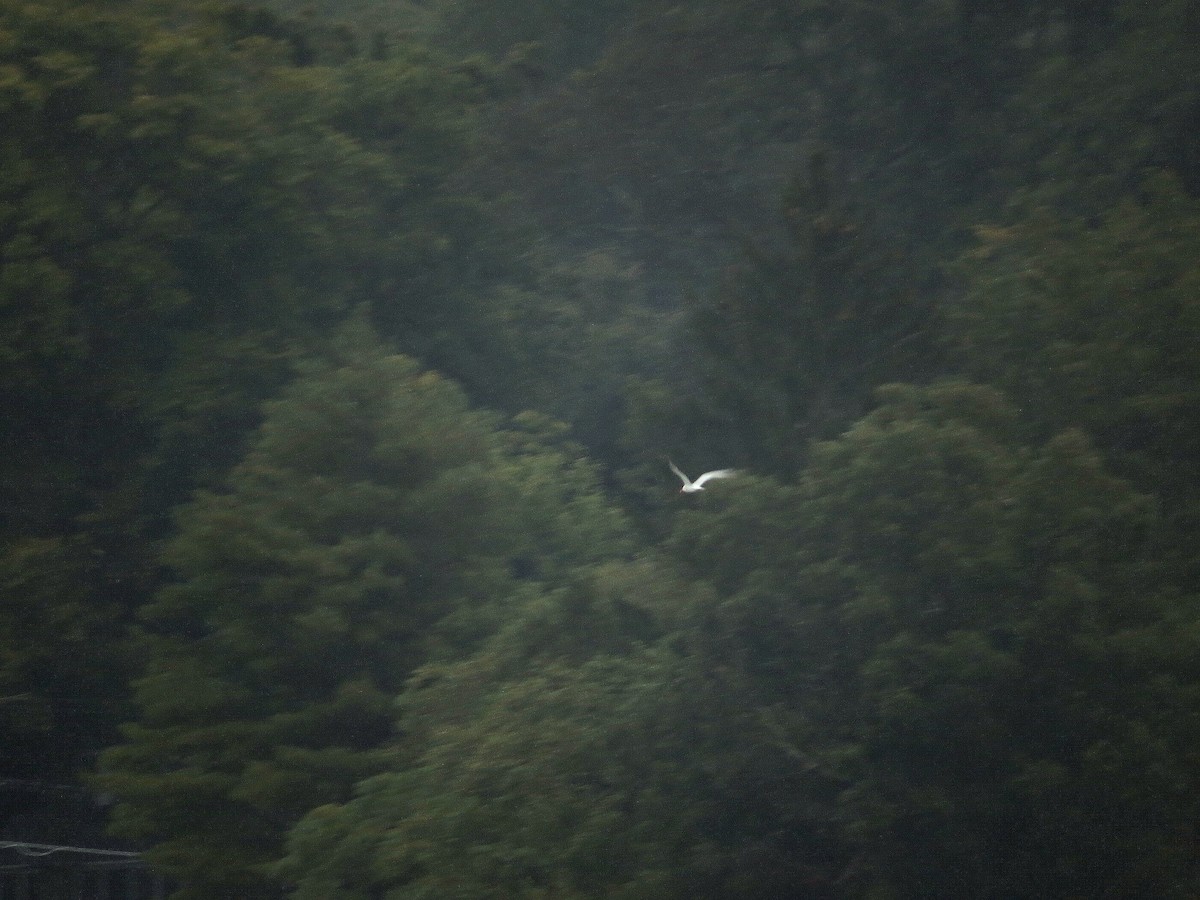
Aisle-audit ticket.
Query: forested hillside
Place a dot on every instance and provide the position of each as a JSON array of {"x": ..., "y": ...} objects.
[{"x": 343, "y": 349}]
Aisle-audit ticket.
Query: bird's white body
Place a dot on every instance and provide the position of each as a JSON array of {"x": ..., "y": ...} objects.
[{"x": 690, "y": 487}]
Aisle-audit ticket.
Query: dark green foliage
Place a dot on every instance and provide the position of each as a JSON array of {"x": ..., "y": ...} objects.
[
  {"x": 960, "y": 628},
  {"x": 304, "y": 596},
  {"x": 61, "y": 671},
  {"x": 937, "y": 639},
  {"x": 934, "y": 667},
  {"x": 1094, "y": 324},
  {"x": 680, "y": 138},
  {"x": 175, "y": 185},
  {"x": 183, "y": 212},
  {"x": 791, "y": 345},
  {"x": 1113, "y": 92},
  {"x": 578, "y": 755},
  {"x": 374, "y": 524},
  {"x": 564, "y": 35},
  {"x": 363, "y": 512}
]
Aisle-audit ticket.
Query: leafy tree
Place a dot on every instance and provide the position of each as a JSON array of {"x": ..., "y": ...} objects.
[
  {"x": 673, "y": 163},
  {"x": 104, "y": 163},
  {"x": 567, "y": 36},
  {"x": 185, "y": 210},
  {"x": 946, "y": 662},
  {"x": 1109, "y": 95},
  {"x": 790, "y": 346},
  {"x": 1092, "y": 323},
  {"x": 579, "y": 754},
  {"x": 372, "y": 506},
  {"x": 173, "y": 180},
  {"x": 976, "y": 638},
  {"x": 61, "y": 670}
]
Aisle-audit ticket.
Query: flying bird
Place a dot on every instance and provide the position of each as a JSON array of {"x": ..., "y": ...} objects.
[{"x": 690, "y": 487}]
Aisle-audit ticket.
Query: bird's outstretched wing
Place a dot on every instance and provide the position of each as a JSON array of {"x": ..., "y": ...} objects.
[
  {"x": 718, "y": 473},
  {"x": 682, "y": 477}
]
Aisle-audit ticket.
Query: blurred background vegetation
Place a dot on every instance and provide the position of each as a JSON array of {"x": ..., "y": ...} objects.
[{"x": 342, "y": 345}]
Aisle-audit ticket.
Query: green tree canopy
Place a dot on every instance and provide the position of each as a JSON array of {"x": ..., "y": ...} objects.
[
  {"x": 1093, "y": 323},
  {"x": 188, "y": 204},
  {"x": 977, "y": 638},
  {"x": 62, "y": 672},
  {"x": 789, "y": 347},
  {"x": 372, "y": 505},
  {"x": 572, "y": 756},
  {"x": 944, "y": 663}
]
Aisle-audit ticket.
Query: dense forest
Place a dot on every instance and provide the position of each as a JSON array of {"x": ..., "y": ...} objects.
[{"x": 344, "y": 346}]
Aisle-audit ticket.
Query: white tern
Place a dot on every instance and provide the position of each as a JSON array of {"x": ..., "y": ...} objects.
[{"x": 690, "y": 487}]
